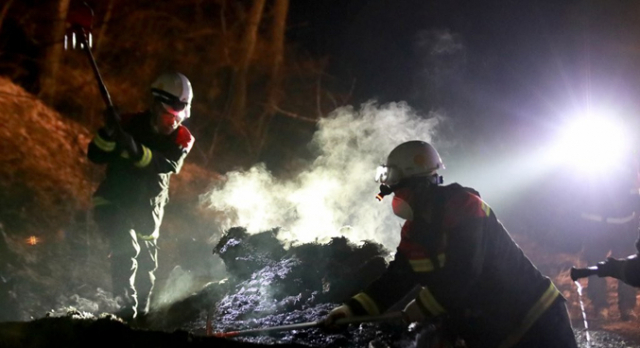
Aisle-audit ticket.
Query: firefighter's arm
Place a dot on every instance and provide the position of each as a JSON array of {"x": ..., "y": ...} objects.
[
  {"x": 424, "y": 306},
  {"x": 627, "y": 270},
  {"x": 168, "y": 161},
  {"x": 102, "y": 148},
  {"x": 463, "y": 258},
  {"x": 385, "y": 291},
  {"x": 631, "y": 271}
]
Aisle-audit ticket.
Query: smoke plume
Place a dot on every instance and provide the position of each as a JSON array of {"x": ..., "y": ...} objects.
[{"x": 335, "y": 194}]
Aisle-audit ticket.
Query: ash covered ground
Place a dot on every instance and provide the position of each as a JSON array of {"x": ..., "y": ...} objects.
[{"x": 269, "y": 284}]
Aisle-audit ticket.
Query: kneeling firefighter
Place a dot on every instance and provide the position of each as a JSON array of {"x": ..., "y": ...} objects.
[{"x": 470, "y": 271}]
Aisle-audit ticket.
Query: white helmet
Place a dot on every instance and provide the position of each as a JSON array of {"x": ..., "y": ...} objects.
[
  {"x": 174, "y": 91},
  {"x": 411, "y": 159}
]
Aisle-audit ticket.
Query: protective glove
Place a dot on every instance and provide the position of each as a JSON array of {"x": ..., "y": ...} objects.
[
  {"x": 413, "y": 313},
  {"x": 111, "y": 119},
  {"x": 126, "y": 142},
  {"x": 337, "y": 313},
  {"x": 611, "y": 268}
]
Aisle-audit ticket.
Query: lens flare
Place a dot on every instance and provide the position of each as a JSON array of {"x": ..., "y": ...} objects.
[{"x": 591, "y": 144}]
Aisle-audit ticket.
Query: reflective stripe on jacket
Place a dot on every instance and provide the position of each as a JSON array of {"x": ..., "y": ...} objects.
[
  {"x": 144, "y": 180},
  {"x": 469, "y": 267}
]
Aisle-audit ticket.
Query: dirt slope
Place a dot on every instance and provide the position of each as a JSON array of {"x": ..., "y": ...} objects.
[{"x": 44, "y": 173}]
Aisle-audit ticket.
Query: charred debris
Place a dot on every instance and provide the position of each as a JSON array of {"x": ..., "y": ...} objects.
[{"x": 268, "y": 284}]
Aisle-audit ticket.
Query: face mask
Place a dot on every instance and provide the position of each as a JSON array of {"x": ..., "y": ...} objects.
[{"x": 401, "y": 208}]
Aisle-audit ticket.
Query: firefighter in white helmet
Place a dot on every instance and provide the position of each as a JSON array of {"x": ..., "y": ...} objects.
[
  {"x": 141, "y": 151},
  {"x": 470, "y": 272}
]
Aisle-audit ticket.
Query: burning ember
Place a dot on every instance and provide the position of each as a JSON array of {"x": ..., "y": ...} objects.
[{"x": 33, "y": 240}]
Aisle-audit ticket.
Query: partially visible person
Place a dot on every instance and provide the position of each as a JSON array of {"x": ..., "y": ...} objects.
[
  {"x": 470, "y": 271},
  {"x": 626, "y": 269},
  {"x": 606, "y": 210},
  {"x": 141, "y": 151}
]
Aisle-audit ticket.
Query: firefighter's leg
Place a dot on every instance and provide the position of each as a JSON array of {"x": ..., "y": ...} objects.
[
  {"x": 621, "y": 249},
  {"x": 147, "y": 228},
  {"x": 596, "y": 248},
  {"x": 148, "y": 261},
  {"x": 123, "y": 249},
  {"x": 551, "y": 330}
]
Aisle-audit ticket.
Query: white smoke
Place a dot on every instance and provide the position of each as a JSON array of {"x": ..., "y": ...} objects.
[
  {"x": 335, "y": 194},
  {"x": 178, "y": 286}
]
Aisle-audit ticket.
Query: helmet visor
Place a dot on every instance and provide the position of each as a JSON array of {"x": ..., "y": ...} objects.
[
  {"x": 171, "y": 102},
  {"x": 387, "y": 175},
  {"x": 381, "y": 174}
]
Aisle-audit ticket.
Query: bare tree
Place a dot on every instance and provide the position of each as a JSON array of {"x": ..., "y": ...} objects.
[
  {"x": 53, "y": 52},
  {"x": 278, "y": 30},
  {"x": 239, "y": 103},
  {"x": 5, "y": 9},
  {"x": 103, "y": 29}
]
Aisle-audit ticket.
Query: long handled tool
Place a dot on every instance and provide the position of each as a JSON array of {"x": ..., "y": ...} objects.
[
  {"x": 79, "y": 22},
  {"x": 319, "y": 323}
]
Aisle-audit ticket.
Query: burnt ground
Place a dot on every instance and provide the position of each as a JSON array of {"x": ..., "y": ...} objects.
[{"x": 270, "y": 285}]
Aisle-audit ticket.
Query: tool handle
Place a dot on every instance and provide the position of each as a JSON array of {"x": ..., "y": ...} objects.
[
  {"x": 267, "y": 329},
  {"x": 319, "y": 323},
  {"x": 577, "y": 273},
  {"x": 370, "y": 318},
  {"x": 82, "y": 37}
]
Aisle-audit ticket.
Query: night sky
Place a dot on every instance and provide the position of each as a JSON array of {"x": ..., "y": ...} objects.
[
  {"x": 518, "y": 65},
  {"x": 506, "y": 74}
]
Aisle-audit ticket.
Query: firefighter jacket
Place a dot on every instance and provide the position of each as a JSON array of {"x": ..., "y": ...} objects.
[
  {"x": 144, "y": 181},
  {"x": 631, "y": 270},
  {"x": 469, "y": 268}
]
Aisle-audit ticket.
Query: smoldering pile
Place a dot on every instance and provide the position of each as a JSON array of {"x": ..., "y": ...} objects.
[
  {"x": 271, "y": 285},
  {"x": 268, "y": 285}
]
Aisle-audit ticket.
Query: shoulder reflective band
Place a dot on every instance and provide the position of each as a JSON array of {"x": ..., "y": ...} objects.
[
  {"x": 425, "y": 265},
  {"x": 146, "y": 157},
  {"x": 429, "y": 302},
  {"x": 621, "y": 220},
  {"x": 486, "y": 208},
  {"x": 367, "y": 303},
  {"x": 609, "y": 220},
  {"x": 102, "y": 144},
  {"x": 534, "y": 313}
]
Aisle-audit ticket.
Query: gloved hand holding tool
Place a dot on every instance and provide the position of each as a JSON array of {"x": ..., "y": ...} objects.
[
  {"x": 610, "y": 268},
  {"x": 336, "y": 314},
  {"x": 79, "y": 22},
  {"x": 413, "y": 312}
]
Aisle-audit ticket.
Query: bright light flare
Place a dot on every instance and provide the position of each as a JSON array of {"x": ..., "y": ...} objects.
[{"x": 591, "y": 144}]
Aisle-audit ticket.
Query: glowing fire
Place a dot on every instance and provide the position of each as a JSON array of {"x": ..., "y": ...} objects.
[{"x": 33, "y": 240}]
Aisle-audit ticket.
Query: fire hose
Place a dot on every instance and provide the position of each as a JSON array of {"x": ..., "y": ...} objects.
[
  {"x": 577, "y": 273},
  {"x": 391, "y": 316}
]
